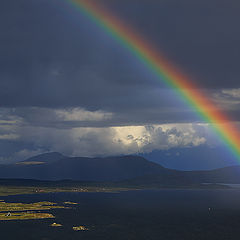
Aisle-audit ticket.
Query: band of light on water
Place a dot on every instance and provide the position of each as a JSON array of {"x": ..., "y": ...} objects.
[{"x": 165, "y": 71}]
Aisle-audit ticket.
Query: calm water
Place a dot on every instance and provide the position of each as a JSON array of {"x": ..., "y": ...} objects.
[{"x": 162, "y": 214}]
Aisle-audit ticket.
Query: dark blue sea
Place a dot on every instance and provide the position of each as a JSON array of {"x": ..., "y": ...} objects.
[{"x": 148, "y": 214}]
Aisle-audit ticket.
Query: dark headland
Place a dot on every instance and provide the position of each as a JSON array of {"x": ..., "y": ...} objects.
[{"x": 55, "y": 171}]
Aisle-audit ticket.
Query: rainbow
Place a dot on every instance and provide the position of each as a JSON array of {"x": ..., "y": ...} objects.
[{"x": 170, "y": 75}]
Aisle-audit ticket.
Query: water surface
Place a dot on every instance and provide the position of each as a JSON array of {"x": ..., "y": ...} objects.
[{"x": 149, "y": 214}]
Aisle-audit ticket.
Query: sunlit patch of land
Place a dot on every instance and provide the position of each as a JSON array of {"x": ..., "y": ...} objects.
[
  {"x": 25, "y": 211},
  {"x": 24, "y": 216},
  {"x": 27, "y": 206},
  {"x": 70, "y": 203},
  {"x": 80, "y": 228},
  {"x": 30, "y": 163},
  {"x": 56, "y": 225}
]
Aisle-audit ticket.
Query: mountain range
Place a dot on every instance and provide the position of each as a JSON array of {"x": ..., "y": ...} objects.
[
  {"x": 132, "y": 170},
  {"x": 201, "y": 157}
]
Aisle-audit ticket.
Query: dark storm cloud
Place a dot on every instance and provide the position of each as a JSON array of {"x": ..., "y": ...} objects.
[
  {"x": 52, "y": 56},
  {"x": 201, "y": 37}
]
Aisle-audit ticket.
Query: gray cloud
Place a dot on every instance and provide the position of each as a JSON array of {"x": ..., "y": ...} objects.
[
  {"x": 30, "y": 139},
  {"x": 66, "y": 61}
]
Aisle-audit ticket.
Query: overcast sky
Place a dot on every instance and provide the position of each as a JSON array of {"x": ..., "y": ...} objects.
[{"x": 67, "y": 86}]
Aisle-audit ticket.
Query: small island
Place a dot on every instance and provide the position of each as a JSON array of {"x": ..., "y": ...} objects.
[
  {"x": 80, "y": 228},
  {"x": 56, "y": 225},
  {"x": 70, "y": 203}
]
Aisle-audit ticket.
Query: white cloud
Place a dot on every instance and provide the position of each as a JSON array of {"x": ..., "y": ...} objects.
[
  {"x": 78, "y": 114},
  {"x": 227, "y": 99},
  {"x": 94, "y": 141},
  {"x": 235, "y": 92},
  {"x": 115, "y": 140}
]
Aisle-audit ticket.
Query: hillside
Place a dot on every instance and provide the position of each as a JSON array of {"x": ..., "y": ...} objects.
[
  {"x": 53, "y": 166},
  {"x": 132, "y": 170}
]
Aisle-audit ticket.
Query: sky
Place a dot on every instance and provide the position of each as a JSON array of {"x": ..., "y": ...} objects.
[{"x": 67, "y": 86}]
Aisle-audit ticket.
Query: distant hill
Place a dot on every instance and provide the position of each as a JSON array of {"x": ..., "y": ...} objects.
[
  {"x": 202, "y": 157},
  {"x": 133, "y": 170},
  {"x": 43, "y": 158},
  {"x": 227, "y": 175},
  {"x": 54, "y": 166}
]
